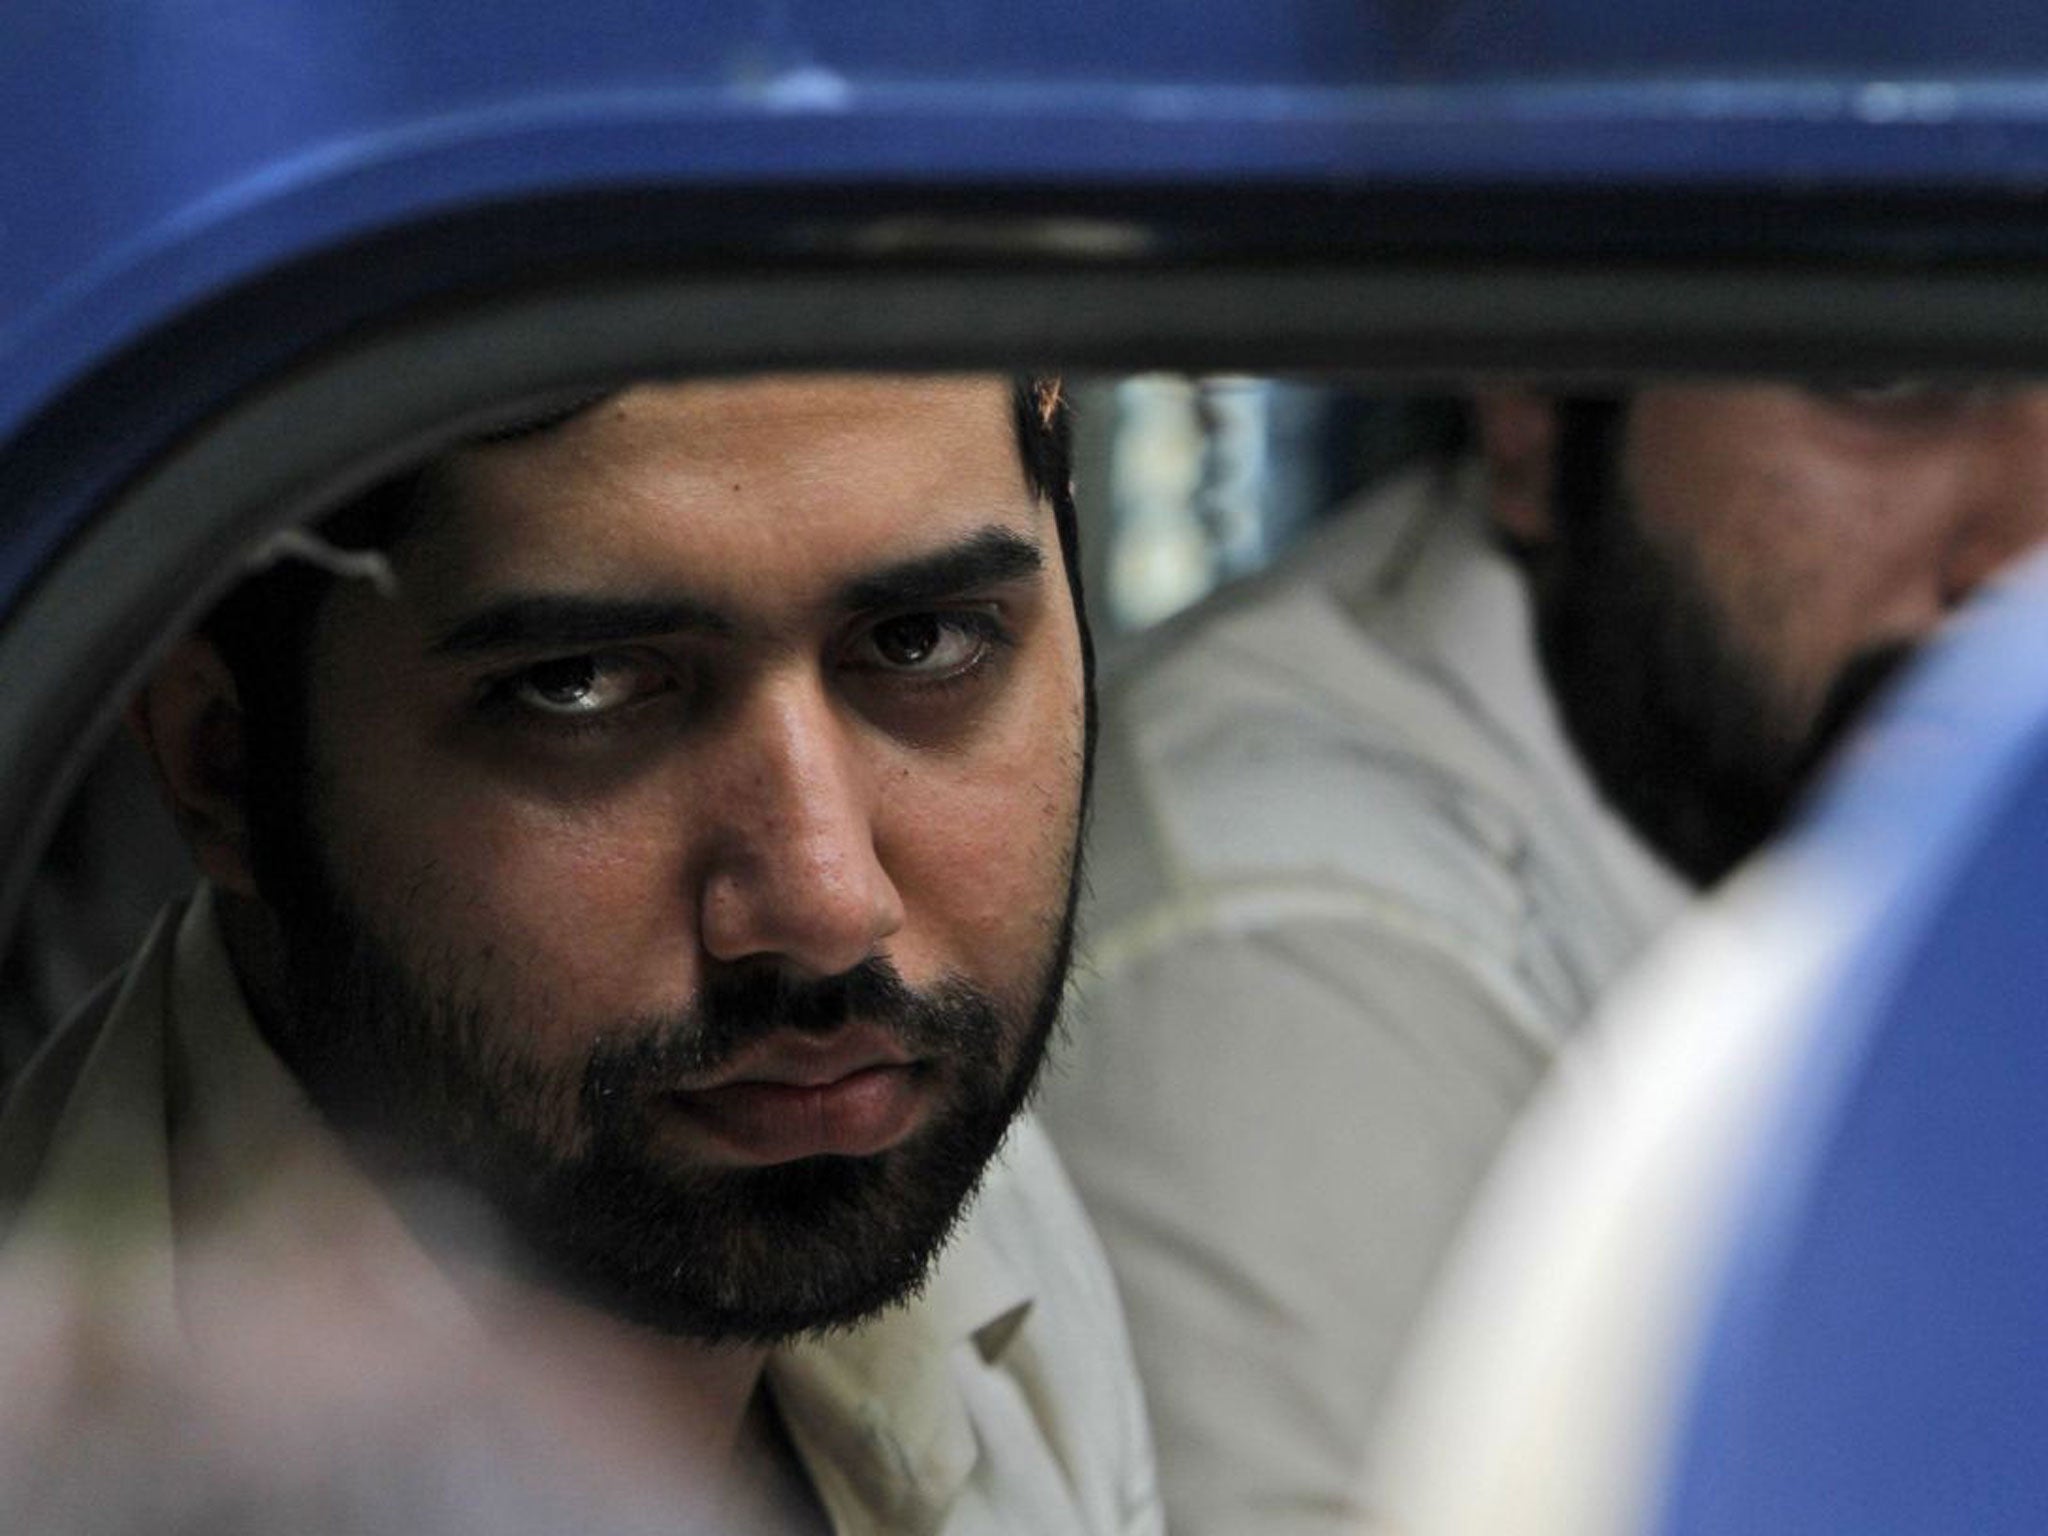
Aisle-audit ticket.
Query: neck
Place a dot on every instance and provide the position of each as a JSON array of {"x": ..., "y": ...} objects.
[
  {"x": 617, "y": 1392},
  {"x": 669, "y": 1423}
]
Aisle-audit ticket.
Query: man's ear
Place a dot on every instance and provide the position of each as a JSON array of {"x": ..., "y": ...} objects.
[
  {"x": 1518, "y": 440},
  {"x": 188, "y": 718}
]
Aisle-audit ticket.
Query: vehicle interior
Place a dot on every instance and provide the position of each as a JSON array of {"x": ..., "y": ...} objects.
[{"x": 1271, "y": 281}]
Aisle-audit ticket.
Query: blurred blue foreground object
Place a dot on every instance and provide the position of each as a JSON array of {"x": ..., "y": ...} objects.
[
  {"x": 1877, "y": 1359},
  {"x": 1769, "y": 1256}
]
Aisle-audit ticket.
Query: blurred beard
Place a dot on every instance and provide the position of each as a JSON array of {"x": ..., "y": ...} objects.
[
  {"x": 1678, "y": 727},
  {"x": 429, "y": 1089}
]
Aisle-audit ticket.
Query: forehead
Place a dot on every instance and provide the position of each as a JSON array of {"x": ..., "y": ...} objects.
[{"x": 757, "y": 487}]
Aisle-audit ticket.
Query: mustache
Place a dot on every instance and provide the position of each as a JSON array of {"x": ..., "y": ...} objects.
[
  {"x": 1861, "y": 681},
  {"x": 733, "y": 1009}
]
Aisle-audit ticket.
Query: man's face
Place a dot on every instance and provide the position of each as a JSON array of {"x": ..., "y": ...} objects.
[
  {"x": 1731, "y": 573},
  {"x": 691, "y": 844}
]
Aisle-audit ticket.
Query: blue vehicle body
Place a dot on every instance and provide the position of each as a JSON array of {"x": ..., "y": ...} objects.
[{"x": 166, "y": 155}]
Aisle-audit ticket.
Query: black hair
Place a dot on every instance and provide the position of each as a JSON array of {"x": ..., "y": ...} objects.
[
  {"x": 1045, "y": 443},
  {"x": 263, "y": 628}
]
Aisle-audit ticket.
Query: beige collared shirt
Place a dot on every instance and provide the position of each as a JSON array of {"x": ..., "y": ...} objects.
[
  {"x": 1351, "y": 889},
  {"x": 1002, "y": 1399}
]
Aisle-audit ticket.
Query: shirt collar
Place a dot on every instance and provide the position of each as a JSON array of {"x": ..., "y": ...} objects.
[
  {"x": 1468, "y": 606},
  {"x": 252, "y": 1162},
  {"x": 100, "y": 1188},
  {"x": 877, "y": 1413}
]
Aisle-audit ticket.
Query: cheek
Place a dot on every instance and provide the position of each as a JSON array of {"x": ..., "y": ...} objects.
[
  {"x": 983, "y": 854},
  {"x": 1786, "y": 541},
  {"x": 1773, "y": 564},
  {"x": 567, "y": 921},
  {"x": 1756, "y": 523},
  {"x": 464, "y": 858}
]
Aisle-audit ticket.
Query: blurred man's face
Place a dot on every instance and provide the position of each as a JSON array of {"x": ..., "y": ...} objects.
[
  {"x": 692, "y": 841},
  {"x": 1725, "y": 575}
]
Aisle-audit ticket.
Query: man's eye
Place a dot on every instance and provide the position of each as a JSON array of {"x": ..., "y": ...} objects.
[
  {"x": 573, "y": 687},
  {"x": 927, "y": 644}
]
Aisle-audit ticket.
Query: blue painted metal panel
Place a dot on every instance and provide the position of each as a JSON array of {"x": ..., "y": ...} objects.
[
  {"x": 160, "y": 150},
  {"x": 1878, "y": 1358},
  {"x": 162, "y": 153}
]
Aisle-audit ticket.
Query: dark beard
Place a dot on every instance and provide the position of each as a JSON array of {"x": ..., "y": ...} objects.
[
  {"x": 1676, "y": 725},
  {"x": 425, "y": 1090}
]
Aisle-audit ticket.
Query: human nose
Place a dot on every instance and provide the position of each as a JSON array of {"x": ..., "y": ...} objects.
[
  {"x": 2005, "y": 508},
  {"x": 792, "y": 870}
]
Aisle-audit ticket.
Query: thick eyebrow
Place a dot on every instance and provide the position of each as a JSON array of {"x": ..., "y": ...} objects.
[
  {"x": 985, "y": 559},
  {"x": 549, "y": 621},
  {"x": 545, "y": 621}
]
